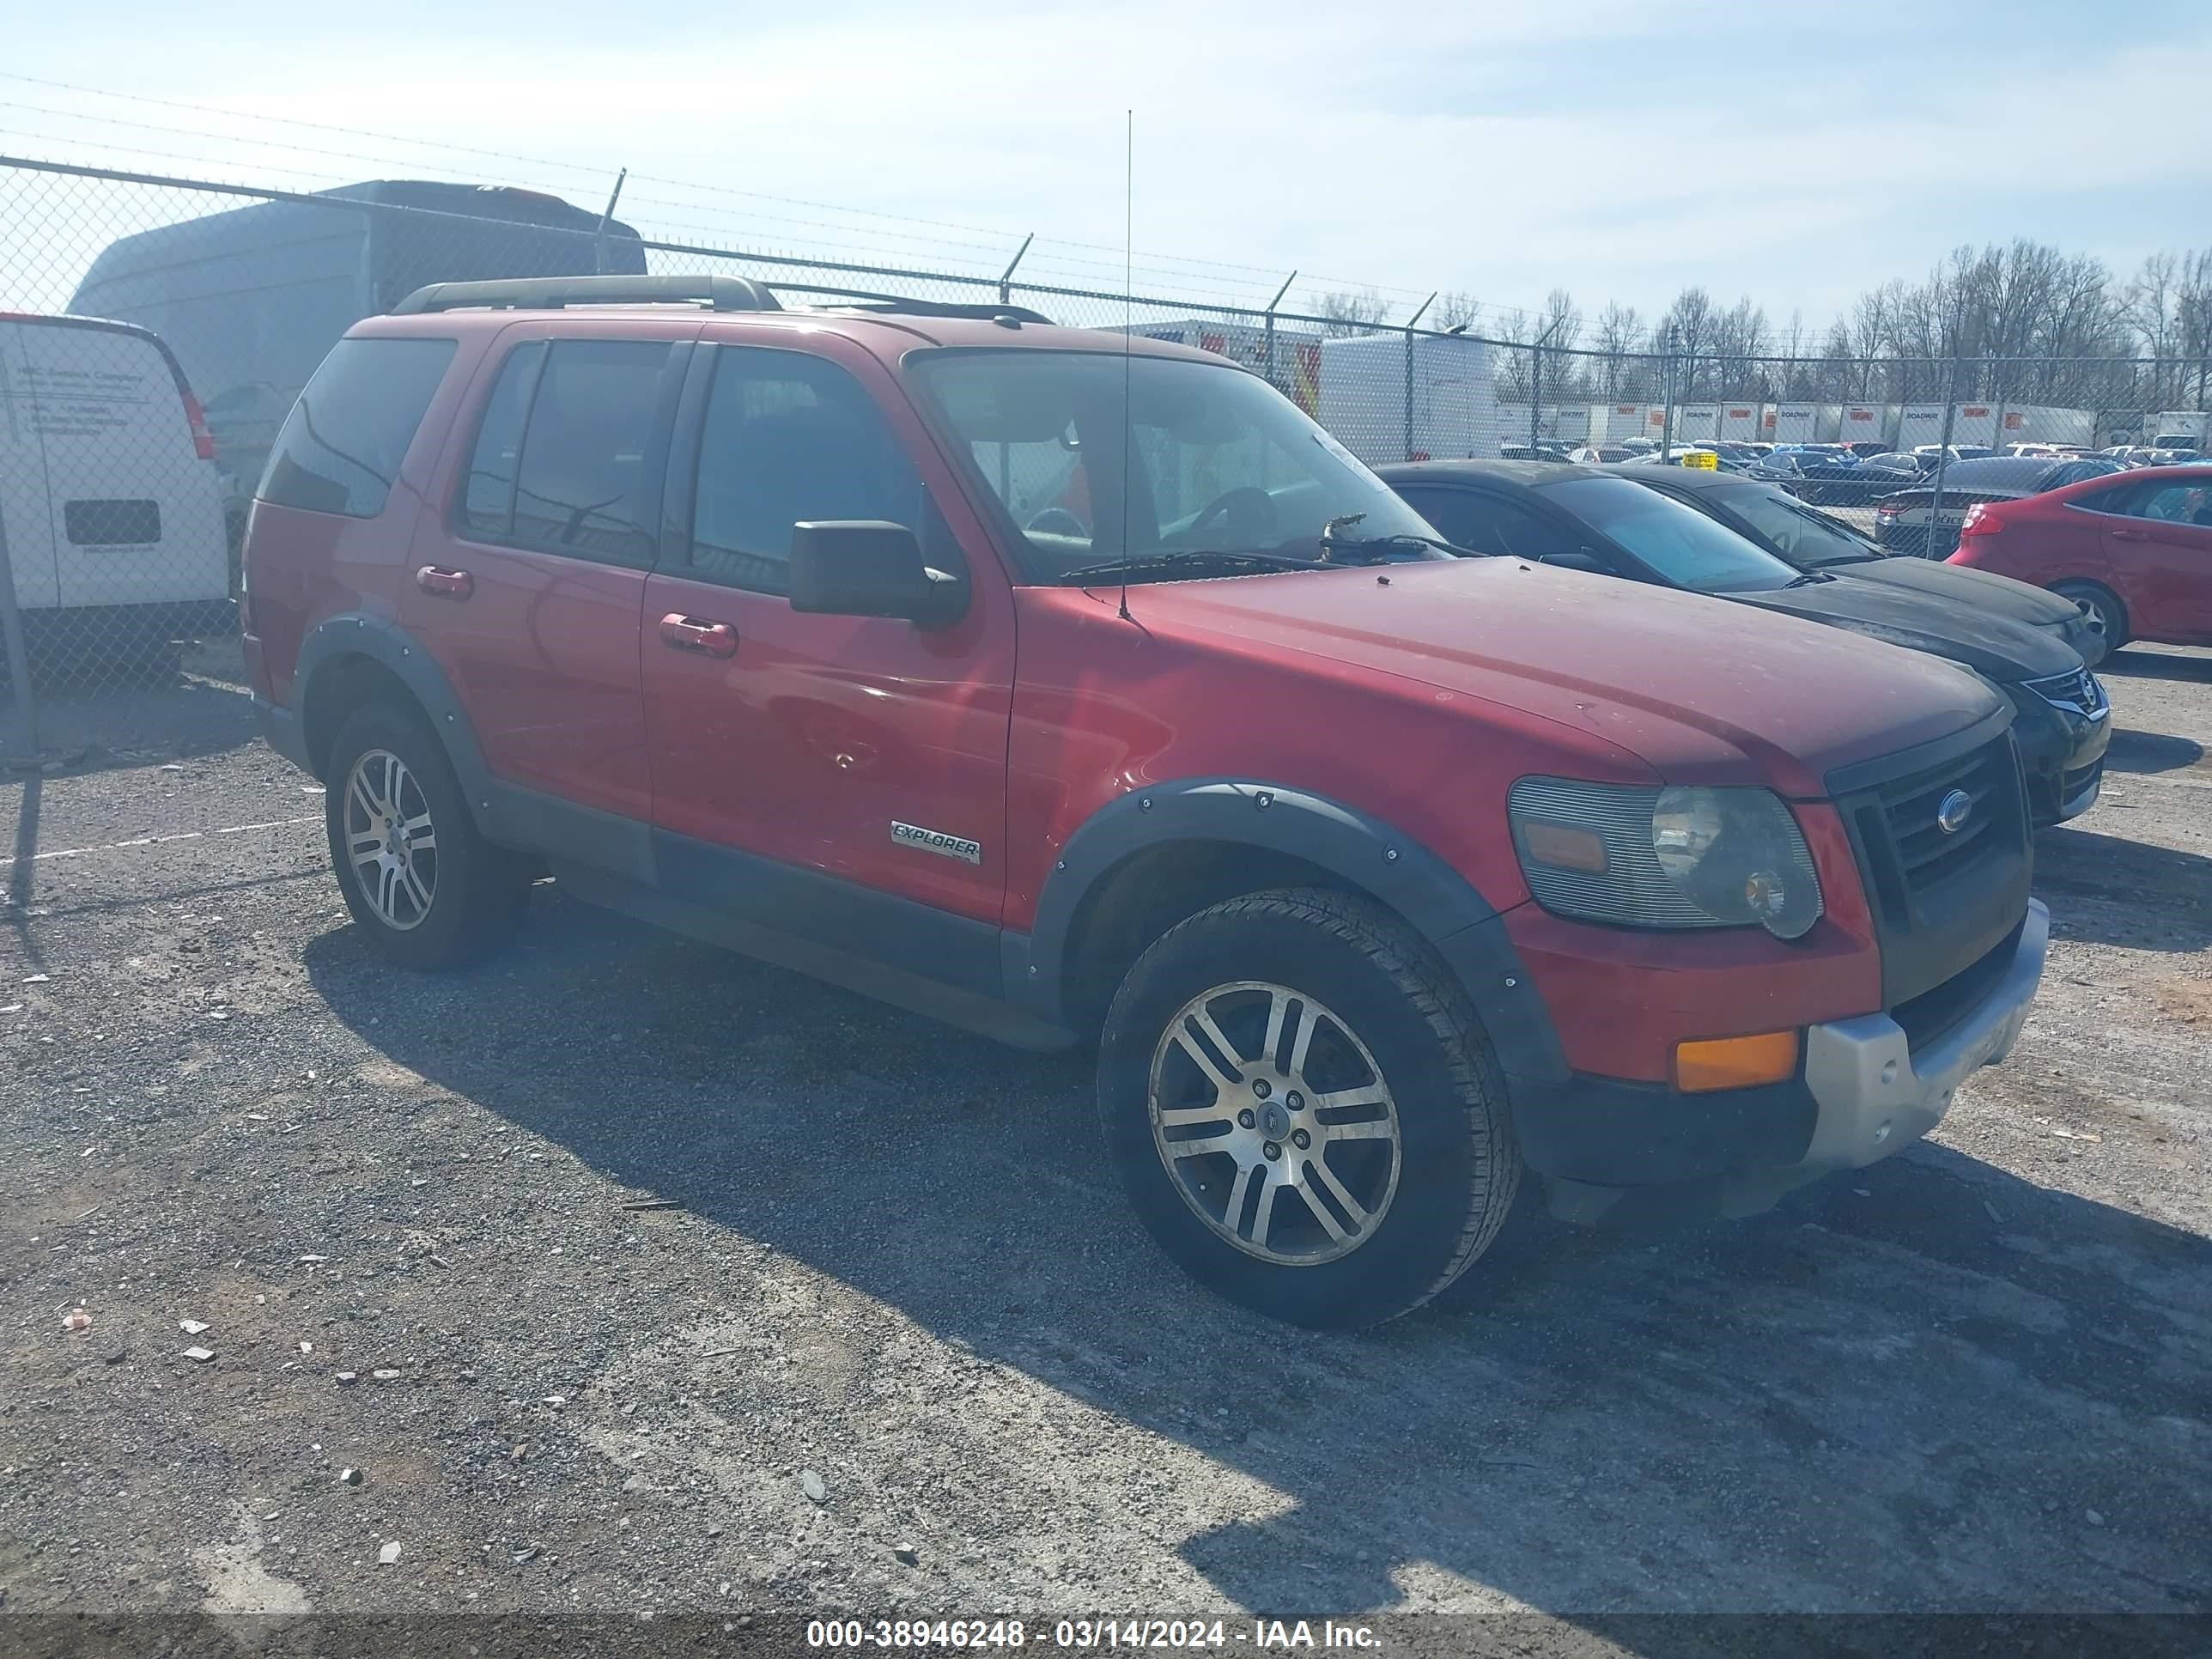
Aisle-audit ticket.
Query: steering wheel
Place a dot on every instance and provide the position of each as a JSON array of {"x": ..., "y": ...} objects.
[
  {"x": 1057, "y": 521},
  {"x": 1246, "y": 505}
]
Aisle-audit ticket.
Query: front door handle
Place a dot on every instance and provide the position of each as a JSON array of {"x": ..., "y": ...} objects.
[
  {"x": 2128, "y": 536},
  {"x": 711, "y": 639},
  {"x": 445, "y": 583}
]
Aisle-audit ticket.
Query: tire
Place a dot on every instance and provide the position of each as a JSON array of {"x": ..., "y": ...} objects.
[
  {"x": 2107, "y": 605},
  {"x": 1385, "y": 1022},
  {"x": 447, "y": 896}
]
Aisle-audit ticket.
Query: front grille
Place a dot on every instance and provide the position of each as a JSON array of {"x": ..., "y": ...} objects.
[
  {"x": 1930, "y": 1015},
  {"x": 1928, "y": 854},
  {"x": 1940, "y": 898},
  {"x": 2077, "y": 689}
]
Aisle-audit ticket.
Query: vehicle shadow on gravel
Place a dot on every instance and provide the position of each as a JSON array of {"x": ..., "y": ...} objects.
[
  {"x": 2110, "y": 890},
  {"x": 2137, "y": 662},
  {"x": 1906, "y": 1388},
  {"x": 2142, "y": 752}
]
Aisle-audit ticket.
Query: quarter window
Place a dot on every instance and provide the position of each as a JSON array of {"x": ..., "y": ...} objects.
[{"x": 342, "y": 445}]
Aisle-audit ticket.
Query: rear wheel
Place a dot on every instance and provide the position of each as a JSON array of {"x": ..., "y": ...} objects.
[
  {"x": 1303, "y": 1110},
  {"x": 2104, "y": 605},
  {"x": 422, "y": 882}
]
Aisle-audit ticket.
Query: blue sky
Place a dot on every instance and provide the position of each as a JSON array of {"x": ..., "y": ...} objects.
[{"x": 1797, "y": 153}]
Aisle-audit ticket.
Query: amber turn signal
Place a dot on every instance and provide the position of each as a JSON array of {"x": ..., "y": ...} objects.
[{"x": 1734, "y": 1062}]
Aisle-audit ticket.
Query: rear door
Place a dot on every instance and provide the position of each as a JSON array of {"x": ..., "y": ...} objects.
[
  {"x": 2160, "y": 552},
  {"x": 136, "y": 513},
  {"x": 529, "y": 586},
  {"x": 26, "y": 514},
  {"x": 788, "y": 748}
]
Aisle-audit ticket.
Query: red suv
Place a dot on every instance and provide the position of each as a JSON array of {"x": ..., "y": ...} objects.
[{"x": 1075, "y": 687}]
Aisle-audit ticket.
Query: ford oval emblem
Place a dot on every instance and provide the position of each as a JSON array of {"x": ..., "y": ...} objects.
[{"x": 1952, "y": 811}]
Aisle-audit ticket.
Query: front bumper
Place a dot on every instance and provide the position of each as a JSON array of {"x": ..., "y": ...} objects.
[
  {"x": 1868, "y": 1088},
  {"x": 2062, "y": 753}
]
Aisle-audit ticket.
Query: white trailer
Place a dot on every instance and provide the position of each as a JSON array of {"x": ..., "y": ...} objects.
[
  {"x": 1610, "y": 422},
  {"x": 1801, "y": 424},
  {"x": 1973, "y": 424},
  {"x": 2043, "y": 423},
  {"x": 1867, "y": 424},
  {"x": 1740, "y": 421},
  {"x": 1697, "y": 422},
  {"x": 2192, "y": 424},
  {"x": 1453, "y": 411},
  {"x": 1921, "y": 423}
]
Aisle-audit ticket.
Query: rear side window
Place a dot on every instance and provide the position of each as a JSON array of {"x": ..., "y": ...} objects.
[
  {"x": 580, "y": 483},
  {"x": 342, "y": 445}
]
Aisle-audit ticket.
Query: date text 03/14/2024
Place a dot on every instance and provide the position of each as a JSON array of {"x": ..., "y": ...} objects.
[{"x": 1110, "y": 1634}]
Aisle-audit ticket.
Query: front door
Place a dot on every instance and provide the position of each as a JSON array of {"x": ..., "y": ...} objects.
[
  {"x": 2160, "y": 552},
  {"x": 791, "y": 751}
]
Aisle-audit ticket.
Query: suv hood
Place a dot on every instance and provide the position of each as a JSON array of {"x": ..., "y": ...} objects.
[
  {"x": 2004, "y": 650},
  {"x": 1702, "y": 691}
]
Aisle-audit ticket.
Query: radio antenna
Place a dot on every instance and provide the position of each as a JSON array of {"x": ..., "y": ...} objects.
[{"x": 1128, "y": 332}]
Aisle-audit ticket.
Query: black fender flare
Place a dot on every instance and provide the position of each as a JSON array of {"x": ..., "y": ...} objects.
[
  {"x": 392, "y": 647},
  {"x": 1356, "y": 848}
]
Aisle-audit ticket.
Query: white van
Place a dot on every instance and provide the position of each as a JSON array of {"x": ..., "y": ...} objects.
[{"x": 110, "y": 511}]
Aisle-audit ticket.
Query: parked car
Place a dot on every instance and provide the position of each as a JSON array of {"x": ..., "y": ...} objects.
[
  {"x": 1808, "y": 539},
  {"x": 1717, "y": 900},
  {"x": 1868, "y": 449},
  {"x": 1911, "y": 521},
  {"x": 1602, "y": 453},
  {"x": 1930, "y": 453},
  {"x": 1828, "y": 480},
  {"x": 2062, "y": 723},
  {"x": 2062, "y": 719},
  {"x": 1531, "y": 453},
  {"x": 2136, "y": 549},
  {"x": 110, "y": 513}
]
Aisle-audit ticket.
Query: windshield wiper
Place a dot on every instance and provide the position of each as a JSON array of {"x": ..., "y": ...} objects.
[
  {"x": 1331, "y": 540},
  {"x": 1809, "y": 579},
  {"x": 1845, "y": 558},
  {"x": 1184, "y": 564}
]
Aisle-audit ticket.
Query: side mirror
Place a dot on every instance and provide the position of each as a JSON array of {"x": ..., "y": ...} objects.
[
  {"x": 867, "y": 568},
  {"x": 1577, "y": 561}
]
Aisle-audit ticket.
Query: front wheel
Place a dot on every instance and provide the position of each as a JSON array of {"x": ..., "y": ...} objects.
[
  {"x": 2103, "y": 605},
  {"x": 1303, "y": 1110}
]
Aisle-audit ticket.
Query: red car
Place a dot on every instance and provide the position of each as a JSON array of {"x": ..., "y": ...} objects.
[
  {"x": 1079, "y": 688},
  {"x": 2134, "y": 547}
]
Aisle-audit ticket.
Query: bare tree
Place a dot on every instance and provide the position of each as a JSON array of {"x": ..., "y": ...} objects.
[
  {"x": 2151, "y": 306},
  {"x": 1458, "y": 309},
  {"x": 1350, "y": 311},
  {"x": 1619, "y": 332}
]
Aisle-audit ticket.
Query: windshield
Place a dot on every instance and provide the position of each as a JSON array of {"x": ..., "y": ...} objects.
[
  {"x": 1805, "y": 539},
  {"x": 1679, "y": 543},
  {"x": 1223, "y": 462}
]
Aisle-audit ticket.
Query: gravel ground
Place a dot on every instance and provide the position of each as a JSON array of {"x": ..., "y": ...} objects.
[{"x": 894, "y": 1343}]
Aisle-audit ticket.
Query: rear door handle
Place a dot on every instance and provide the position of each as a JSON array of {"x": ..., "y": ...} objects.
[
  {"x": 445, "y": 584},
  {"x": 711, "y": 639}
]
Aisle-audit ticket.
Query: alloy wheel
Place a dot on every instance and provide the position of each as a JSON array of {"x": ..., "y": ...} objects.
[
  {"x": 1275, "y": 1123},
  {"x": 390, "y": 840}
]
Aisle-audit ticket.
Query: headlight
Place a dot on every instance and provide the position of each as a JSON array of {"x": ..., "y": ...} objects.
[{"x": 1639, "y": 857}]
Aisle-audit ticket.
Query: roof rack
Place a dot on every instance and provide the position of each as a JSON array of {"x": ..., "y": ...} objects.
[
  {"x": 557, "y": 293},
  {"x": 904, "y": 307}
]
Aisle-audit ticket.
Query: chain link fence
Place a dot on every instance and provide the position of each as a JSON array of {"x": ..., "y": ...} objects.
[{"x": 155, "y": 332}]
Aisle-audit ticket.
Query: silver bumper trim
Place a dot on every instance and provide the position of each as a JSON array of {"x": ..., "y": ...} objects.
[{"x": 1874, "y": 1095}]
